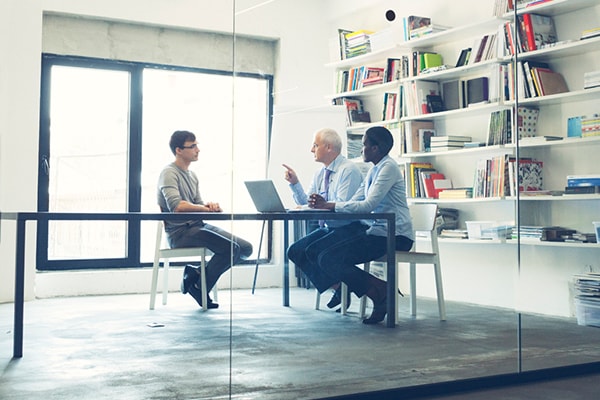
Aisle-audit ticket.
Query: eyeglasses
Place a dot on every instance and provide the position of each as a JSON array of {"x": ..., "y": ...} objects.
[{"x": 192, "y": 146}]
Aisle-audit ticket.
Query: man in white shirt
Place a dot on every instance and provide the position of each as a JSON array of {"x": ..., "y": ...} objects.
[{"x": 338, "y": 180}]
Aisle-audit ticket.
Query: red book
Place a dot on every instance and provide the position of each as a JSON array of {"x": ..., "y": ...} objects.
[
  {"x": 430, "y": 190},
  {"x": 529, "y": 32}
]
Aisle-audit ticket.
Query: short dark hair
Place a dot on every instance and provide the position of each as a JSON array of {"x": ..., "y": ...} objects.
[
  {"x": 380, "y": 137},
  {"x": 178, "y": 139}
]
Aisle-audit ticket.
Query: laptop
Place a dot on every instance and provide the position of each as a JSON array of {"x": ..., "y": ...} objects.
[
  {"x": 265, "y": 196},
  {"x": 266, "y": 199}
]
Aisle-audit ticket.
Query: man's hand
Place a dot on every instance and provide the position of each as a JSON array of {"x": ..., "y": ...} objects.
[
  {"x": 290, "y": 175},
  {"x": 317, "y": 201},
  {"x": 213, "y": 207}
]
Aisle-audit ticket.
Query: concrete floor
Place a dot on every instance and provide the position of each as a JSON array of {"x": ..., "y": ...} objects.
[{"x": 253, "y": 348}]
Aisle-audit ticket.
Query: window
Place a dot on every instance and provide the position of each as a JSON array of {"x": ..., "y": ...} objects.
[{"x": 105, "y": 148}]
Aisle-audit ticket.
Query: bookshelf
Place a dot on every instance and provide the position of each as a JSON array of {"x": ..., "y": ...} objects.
[{"x": 570, "y": 155}]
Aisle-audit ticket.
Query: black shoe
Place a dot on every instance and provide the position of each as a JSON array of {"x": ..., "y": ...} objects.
[
  {"x": 336, "y": 299},
  {"x": 196, "y": 293},
  {"x": 378, "y": 314},
  {"x": 190, "y": 277}
]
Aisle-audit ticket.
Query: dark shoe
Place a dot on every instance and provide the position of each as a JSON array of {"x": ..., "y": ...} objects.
[
  {"x": 336, "y": 299},
  {"x": 377, "y": 292},
  {"x": 190, "y": 277},
  {"x": 196, "y": 293},
  {"x": 378, "y": 314}
]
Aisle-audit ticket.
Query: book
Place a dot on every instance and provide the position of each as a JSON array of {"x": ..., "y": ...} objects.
[
  {"x": 452, "y": 94},
  {"x": 351, "y": 105},
  {"x": 527, "y": 122},
  {"x": 544, "y": 31},
  {"x": 412, "y": 133},
  {"x": 342, "y": 42},
  {"x": 451, "y": 138},
  {"x": 428, "y": 183},
  {"x": 476, "y": 90},
  {"x": 456, "y": 193},
  {"x": 550, "y": 82},
  {"x": 583, "y": 180},
  {"x": 430, "y": 60},
  {"x": 435, "y": 103},
  {"x": 463, "y": 57},
  {"x": 425, "y": 136},
  {"x": 530, "y": 175},
  {"x": 412, "y": 176}
]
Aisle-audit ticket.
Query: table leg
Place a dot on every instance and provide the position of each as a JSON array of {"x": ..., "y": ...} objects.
[
  {"x": 19, "y": 290},
  {"x": 286, "y": 264},
  {"x": 391, "y": 274}
]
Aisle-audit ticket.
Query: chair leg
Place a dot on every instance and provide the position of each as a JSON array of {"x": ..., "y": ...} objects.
[
  {"x": 413, "y": 289},
  {"x": 440, "y": 291},
  {"x": 153, "y": 284},
  {"x": 165, "y": 281},
  {"x": 317, "y": 300},
  {"x": 344, "y": 294},
  {"x": 363, "y": 299},
  {"x": 203, "y": 284}
]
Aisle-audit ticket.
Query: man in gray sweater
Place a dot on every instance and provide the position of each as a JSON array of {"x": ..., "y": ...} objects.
[{"x": 178, "y": 191}]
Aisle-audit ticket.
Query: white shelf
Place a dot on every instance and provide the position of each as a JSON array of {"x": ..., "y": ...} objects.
[
  {"x": 413, "y": 200},
  {"x": 363, "y": 126},
  {"x": 497, "y": 149},
  {"x": 524, "y": 242},
  {"x": 449, "y": 35},
  {"x": 474, "y": 109},
  {"x": 566, "y": 49},
  {"x": 555, "y": 7},
  {"x": 568, "y": 141},
  {"x": 369, "y": 90},
  {"x": 561, "y": 98},
  {"x": 564, "y": 197}
]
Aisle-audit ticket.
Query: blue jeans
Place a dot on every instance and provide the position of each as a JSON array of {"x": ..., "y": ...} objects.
[
  {"x": 227, "y": 249},
  {"x": 340, "y": 259},
  {"x": 305, "y": 253}
]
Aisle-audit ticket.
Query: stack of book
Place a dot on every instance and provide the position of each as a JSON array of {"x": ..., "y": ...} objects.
[
  {"x": 357, "y": 43},
  {"x": 587, "y": 299},
  {"x": 583, "y": 184},
  {"x": 416, "y": 27},
  {"x": 591, "y": 79},
  {"x": 456, "y": 193},
  {"x": 590, "y": 33},
  {"x": 590, "y": 125},
  {"x": 448, "y": 142},
  {"x": 583, "y": 126}
]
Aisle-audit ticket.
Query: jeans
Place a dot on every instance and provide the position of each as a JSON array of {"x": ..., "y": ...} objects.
[
  {"x": 227, "y": 249},
  {"x": 340, "y": 259},
  {"x": 305, "y": 252}
]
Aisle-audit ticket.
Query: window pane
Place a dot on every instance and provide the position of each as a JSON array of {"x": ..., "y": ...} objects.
[
  {"x": 88, "y": 161},
  {"x": 203, "y": 103}
]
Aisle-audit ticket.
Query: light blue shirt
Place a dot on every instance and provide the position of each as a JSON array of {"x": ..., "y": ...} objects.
[
  {"x": 344, "y": 181},
  {"x": 382, "y": 191}
]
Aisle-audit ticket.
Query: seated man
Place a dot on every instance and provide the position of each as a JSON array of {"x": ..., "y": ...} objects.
[
  {"x": 382, "y": 191},
  {"x": 178, "y": 192},
  {"x": 337, "y": 180}
]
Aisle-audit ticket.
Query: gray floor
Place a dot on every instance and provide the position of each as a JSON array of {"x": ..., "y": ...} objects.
[{"x": 103, "y": 347}]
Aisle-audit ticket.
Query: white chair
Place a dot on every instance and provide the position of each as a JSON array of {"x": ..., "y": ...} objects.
[
  {"x": 165, "y": 253},
  {"x": 423, "y": 218}
]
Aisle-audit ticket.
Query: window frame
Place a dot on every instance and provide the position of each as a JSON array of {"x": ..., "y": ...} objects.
[{"x": 134, "y": 188}]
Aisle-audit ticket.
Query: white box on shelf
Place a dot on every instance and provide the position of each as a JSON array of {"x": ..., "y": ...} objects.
[{"x": 488, "y": 229}]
